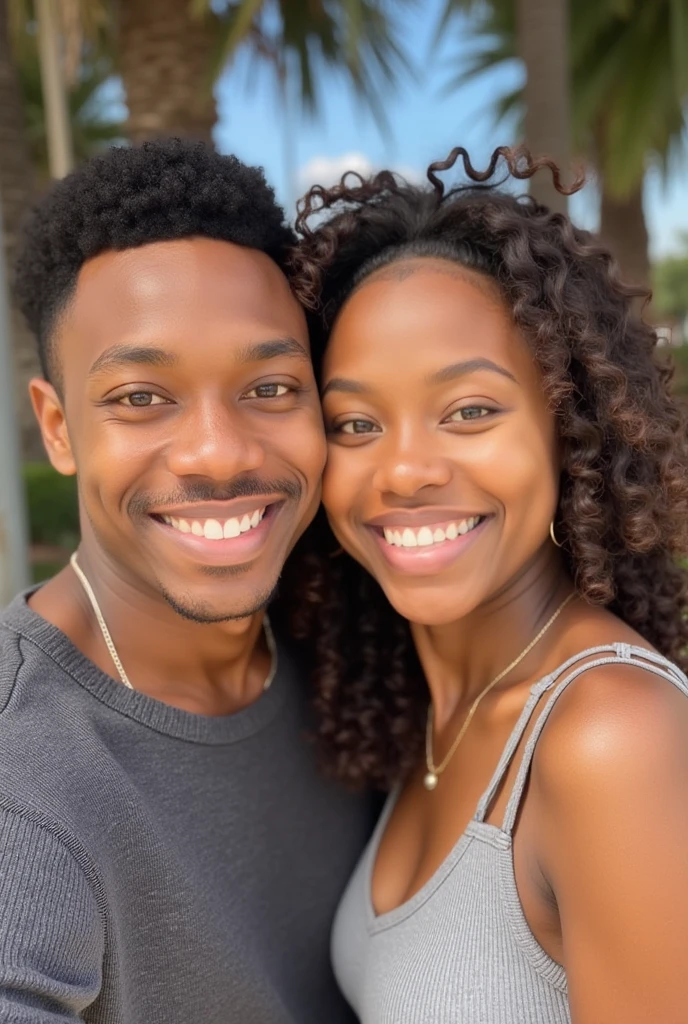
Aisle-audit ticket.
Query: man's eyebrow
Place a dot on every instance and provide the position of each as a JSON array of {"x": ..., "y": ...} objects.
[
  {"x": 126, "y": 355},
  {"x": 450, "y": 373},
  {"x": 345, "y": 387},
  {"x": 259, "y": 351},
  {"x": 143, "y": 355}
]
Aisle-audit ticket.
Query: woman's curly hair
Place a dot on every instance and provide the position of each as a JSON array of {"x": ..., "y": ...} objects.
[{"x": 623, "y": 506}]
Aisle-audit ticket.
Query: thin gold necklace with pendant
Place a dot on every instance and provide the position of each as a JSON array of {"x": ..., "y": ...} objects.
[
  {"x": 432, "y": 775},
  {"x": 83, "y": 579}
]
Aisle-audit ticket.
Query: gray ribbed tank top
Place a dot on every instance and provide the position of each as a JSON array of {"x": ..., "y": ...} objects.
[{"x": 460, "y": 950}]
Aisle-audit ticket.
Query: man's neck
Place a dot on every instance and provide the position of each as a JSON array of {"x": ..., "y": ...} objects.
[{"x": 208, "y": 669}]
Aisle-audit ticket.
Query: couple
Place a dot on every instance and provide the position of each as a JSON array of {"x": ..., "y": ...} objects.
[{"x": 488, "y": 615}]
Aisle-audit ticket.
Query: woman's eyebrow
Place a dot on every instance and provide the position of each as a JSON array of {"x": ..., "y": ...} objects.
[
  {"x": 353, "y": 387},
  {"x": 344, "y": 386},
  {"x": 449, "y": 373}
]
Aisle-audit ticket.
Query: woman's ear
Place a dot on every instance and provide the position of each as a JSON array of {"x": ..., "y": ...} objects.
[{"x": 51, "y": 419}]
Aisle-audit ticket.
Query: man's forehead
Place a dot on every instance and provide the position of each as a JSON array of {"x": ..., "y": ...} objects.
[
  {"x": 180, "y": 288},
  {"x": 189, "y": 263}
]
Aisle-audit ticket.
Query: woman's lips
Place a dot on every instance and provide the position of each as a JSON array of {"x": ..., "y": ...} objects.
[{"x": 428, "y": 548}]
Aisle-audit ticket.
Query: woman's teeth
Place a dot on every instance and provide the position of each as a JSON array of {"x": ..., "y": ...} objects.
[
  {"x": 425, "y": 536},
  {"x": 216, "y": 529}
]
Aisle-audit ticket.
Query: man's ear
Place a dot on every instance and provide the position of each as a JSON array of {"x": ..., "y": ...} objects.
[{"x": 51, "y": 420}]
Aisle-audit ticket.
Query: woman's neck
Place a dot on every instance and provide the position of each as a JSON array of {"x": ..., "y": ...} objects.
[{"x": 461, "y": 658}]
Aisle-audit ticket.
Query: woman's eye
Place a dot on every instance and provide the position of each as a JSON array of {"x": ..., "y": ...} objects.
[
  {"x": 356, "y": 427},
  {"x": 141, "y": 399},
  {"x": 470, "y": 412},
  {"x": 268, "y": 391}
]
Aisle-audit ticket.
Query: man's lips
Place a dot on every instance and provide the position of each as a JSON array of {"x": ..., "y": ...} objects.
[
  {"x": 218, "y": 540},
  {"x": 217, "y": 509}
]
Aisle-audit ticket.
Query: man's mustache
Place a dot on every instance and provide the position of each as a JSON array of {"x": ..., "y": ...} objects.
[{"x": 205, "y": 491}]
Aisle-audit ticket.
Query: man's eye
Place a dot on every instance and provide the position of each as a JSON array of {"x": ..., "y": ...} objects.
[
  {"x": 141, "y": 399},
  {"x": 268, "y": 391},
  {"x": 356, "y": 427},
  {"x": 470, "y": 412}
]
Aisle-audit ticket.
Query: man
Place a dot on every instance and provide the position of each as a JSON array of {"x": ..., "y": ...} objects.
[{"x": 168, "y": 852}]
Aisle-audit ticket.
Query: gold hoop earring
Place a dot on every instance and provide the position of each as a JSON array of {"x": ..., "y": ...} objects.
[{"x": 551, "y": 533}]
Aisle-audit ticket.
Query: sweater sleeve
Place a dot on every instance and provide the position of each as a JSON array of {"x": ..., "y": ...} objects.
[{"x": 51, "y": 928}]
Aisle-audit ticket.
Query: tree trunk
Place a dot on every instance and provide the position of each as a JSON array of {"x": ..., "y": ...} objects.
[
  {"x": 165, "y": 56},
  {"x": 542, "y": 38},
  {"x": 624, "y": 231},
  {"x": 16, "y": 190}
]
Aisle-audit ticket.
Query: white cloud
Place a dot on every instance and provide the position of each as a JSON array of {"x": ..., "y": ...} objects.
[{"x": 327, "y": 170}]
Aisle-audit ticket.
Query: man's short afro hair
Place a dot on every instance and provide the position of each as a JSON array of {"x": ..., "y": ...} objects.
[{"x": 130, "y": 196}]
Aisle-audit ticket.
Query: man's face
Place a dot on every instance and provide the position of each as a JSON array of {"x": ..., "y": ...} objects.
[{"x": 191, "y": 416}]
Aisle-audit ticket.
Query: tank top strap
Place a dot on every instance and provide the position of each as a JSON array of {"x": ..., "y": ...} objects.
[
  {"x": 557, "y": 682},
  {"x": 511, "y": 747}
]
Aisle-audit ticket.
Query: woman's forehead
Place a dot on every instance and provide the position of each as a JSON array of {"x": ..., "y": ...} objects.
[{"x": 425, "y": 313}]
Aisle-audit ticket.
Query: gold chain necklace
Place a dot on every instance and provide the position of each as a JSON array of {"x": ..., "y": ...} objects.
[
  {"x": 81, "y": 576},
  {"x": 434, "y": 771}
]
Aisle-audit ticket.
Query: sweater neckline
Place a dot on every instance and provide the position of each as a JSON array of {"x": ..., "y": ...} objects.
[{"x": 20, "y": 618}]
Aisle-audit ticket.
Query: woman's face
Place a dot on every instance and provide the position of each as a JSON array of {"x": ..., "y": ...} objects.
[{"x": 442, "y": 476}]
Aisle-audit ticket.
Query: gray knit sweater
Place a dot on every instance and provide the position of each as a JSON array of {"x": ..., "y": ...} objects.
[{"x": 160, "y": 867}]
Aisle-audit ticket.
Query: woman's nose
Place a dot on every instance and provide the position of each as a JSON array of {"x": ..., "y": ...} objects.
[{"x": 404, "y": 469}]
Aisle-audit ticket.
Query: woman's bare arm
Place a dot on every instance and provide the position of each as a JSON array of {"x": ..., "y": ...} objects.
[{"x": 610, "y": 779}]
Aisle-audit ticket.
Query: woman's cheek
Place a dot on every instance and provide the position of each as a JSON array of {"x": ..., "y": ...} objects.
[{"x": 340, "y": 476}]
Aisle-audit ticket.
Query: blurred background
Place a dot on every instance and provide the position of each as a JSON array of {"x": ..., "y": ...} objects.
[{"x": 311, "y": 88}]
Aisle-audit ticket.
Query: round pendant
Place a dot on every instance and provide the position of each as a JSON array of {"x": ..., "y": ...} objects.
[{"x": 430, "y": 781}]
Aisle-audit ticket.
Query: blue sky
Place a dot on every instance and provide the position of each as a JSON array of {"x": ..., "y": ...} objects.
[{"x": 425, "y": 122}]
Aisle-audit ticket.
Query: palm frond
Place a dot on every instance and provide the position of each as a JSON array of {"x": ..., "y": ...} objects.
[
  {"x": 629, "y": 63},
  {"x": 93, "y": 126},
  {"x": 359, "y": 38}
]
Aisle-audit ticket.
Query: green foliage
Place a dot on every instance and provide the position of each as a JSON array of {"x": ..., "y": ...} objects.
[
  {"x": 42, "y": 571},
  {"x": 679, "y": 357},
  {"x": 670, "y": 285},
  {"x": 52, "y": 505},
  {"x": 92, "y": 127},
  {"x": 629, "y": 68}
]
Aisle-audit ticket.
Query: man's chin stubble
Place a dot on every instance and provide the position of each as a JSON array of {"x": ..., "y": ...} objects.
[{"x": 203, "y": 614}]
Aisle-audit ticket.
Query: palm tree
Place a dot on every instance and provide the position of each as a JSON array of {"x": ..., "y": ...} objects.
[
  {"x": 631, "y": 86},
  {"x": 24, "y": 167},
  {"x": 170, "y": 52},
  {"x": 166, "y": 51},
  {"x": 537, "y": 31},
  {"x": 542, "y": 40},
  {"x": 93, "y": 125},
  {"x": 629, "y": 70}
]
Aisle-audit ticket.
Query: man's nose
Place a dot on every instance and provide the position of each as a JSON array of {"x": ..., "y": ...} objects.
[{"x": 212, "y": 441}]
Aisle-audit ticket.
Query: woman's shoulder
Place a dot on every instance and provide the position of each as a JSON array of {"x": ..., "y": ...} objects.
[{"x": 618, "y": 729}]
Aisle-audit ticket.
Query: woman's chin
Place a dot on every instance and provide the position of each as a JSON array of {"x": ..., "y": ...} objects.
[{"x": 429, "y": 605}]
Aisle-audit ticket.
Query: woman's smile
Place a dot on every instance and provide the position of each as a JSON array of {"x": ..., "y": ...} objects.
[{"x": 427, "y": 541}]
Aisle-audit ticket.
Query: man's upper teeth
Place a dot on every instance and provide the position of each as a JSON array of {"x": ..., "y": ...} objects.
[
  {"x": 216, "y": 529},
  {"x": 425, "y": 536}
]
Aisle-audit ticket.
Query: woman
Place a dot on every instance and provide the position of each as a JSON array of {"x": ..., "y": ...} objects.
[{"x": 507, "y": 466}]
